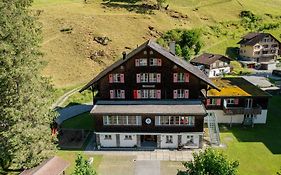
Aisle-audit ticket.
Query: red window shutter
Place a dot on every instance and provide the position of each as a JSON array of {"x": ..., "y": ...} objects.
[
  {"x": 158, "y": 94},
  {"x": 175, "y": 77},
  {"x": 208, "y": 102},
  {"x": 111, "y": 94},
  {"x": 122, "y": 78},
  {"x": 218, "y": 102},
  {"x": 158, "y": 78},
  {"x": 110, "y": 78},
  {"x": 137, "y": 62},
  {"x": 123, "y": 94},
  {"x": 236, "y": 101},
  {"x": 186, "y": 77},
  {"x": 138, "y": 78},
  {"x": 186, "y": 93},
  {"x": 135, "y": 94},
  {"x": 159, "y": 62},
  {"x": 175, "y": 94}
]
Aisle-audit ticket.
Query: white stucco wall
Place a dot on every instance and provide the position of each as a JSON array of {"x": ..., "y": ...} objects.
[
  {"x": 106, "y": 142},
  {"x": 261, "y": 118},
  {"x": 221, "y": 118},
  {"x": 128, "y": 143},
  {"x": 217, "y": 71}
]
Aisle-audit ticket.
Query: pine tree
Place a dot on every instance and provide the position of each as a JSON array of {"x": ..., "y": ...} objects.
[{"x": 25, "y": 113}]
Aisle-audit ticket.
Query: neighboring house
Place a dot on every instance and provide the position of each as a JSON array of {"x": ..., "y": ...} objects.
[
  {"x": 149, "y": 98},
  {"x": 52, "y": 166},
  {"x": 212, "y": 65},
  {"x": 259, "y": 50},
  {"x": 239, "y": 101}
]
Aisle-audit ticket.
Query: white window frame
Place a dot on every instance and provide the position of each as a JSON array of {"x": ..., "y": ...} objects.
[
  {"x": 152, "y": 77},
  {"x": 143, "y": 62},
  {"x": 107, "y": 137},
  {"x": 180, "y": 93},
  {"x": 128, "y": 137},
  {"x": 174, "y": 120},
  {"x": 153, "y": 62},
  {"x": 144, "y": 93},
  {"x": 230, "y": 101},
  {"x": 152, "y": 93},
  {"x": 118, "y": 93},
  {"x": 181, "y": 77},
  {"x": 169, "y": 138},
  {"x": 116, "y": 78},
  {"x": 144, "y": 77},
  {"x": 106, "y": 120},
  {"x": 190, "y": 138}
]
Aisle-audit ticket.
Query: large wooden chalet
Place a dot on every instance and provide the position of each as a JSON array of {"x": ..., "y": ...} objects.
[
  {"x": 149, "y": 98},
  {"x": 152, "y": 98}
]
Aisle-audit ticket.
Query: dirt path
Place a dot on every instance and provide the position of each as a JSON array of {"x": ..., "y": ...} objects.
[{"x": 63, "y": 98}]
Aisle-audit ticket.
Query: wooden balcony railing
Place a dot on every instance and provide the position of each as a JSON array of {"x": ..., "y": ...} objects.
[{"x": 242, "y": 110}]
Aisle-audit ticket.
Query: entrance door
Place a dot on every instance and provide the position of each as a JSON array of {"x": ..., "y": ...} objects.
[
  {"x": 249, "y": 103},
  {"x": 149, "y": 141}
]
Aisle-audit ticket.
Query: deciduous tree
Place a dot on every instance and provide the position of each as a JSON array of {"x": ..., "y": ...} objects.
[
  {"x": 82, "y": 167},
  {"x": 25, "y": 136},
  {"x": 210, "y": 162}
]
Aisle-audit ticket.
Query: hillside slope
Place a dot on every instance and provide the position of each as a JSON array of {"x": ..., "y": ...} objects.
[{"x": 126, "y": 25}]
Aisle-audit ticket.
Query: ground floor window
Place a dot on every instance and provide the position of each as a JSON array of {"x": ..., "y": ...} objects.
[
  {"x": 190, "y": 139},
  {"x": 169, "y": 139},
  {"x": 107, "y": 137},
  {"x": 128, "y": 137}
]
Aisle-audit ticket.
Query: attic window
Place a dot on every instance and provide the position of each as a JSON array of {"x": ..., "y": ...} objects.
[
  {"x": 151, "y": 52},
  {"x": 145, "y": 52},
  {"x": 175, "y": 66},
  {"x": 121, "y": 67}
]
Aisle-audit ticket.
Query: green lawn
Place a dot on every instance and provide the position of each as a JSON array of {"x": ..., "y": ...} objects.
[
  {"x": 82, "y": 121},
  {"x": 257, "y": 149}
]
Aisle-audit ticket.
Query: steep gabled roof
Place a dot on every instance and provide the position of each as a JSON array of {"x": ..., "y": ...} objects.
[
  {"x": 153, "y": 45},
  {"x": 208, "y": 58},
  {"x": 253, "y": 37}
]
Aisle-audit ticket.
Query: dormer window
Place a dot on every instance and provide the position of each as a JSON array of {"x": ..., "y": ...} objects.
[{"x": 151, "y": 52}]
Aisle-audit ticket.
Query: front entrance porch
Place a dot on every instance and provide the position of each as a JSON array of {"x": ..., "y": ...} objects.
[{"x": 149, "y": 141}]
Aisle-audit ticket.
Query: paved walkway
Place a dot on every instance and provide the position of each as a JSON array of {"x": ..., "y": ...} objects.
[
  {"x": 145, "y": 167},
  {"x": 158, "y": 154}
]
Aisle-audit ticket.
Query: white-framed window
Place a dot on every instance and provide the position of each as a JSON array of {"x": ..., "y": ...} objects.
[
  {"x": 175, "y": 120},
  {"x": 180, "y": 93},
  {"x": 151, "y": 52},
  {"x": 128, "y": 137},
  {"x": 152, "y": 93},
  {"x": 220, "y": 64},
  {"x": 144, "y": 77},
  {"x": 121, "y": 120},
  {"x": 190, "y": 139},
  {"x": 145, "y": 52},
  {"x": 117, "y": 94},
  {"x": 152, "y": 77},
  {"x": 107, "y": 137},
  {"x": 144, "y": 93},
  {"x": 142, "y": 62},
  {"x": 116, "y": 78},
  {"x": 181, "y": 77},
  {"x": 230, "y": 101},
  {"x": 153, "y": 62},
  {"x": 169, "y": 138}
]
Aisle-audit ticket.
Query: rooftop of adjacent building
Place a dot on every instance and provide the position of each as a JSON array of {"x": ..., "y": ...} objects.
[{"x": 235, "y": 86}]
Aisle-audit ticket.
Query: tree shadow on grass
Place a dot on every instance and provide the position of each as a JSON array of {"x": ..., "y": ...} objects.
[
  {"x": 131, "y": 7},
  {"x": 269, "y": 134}
]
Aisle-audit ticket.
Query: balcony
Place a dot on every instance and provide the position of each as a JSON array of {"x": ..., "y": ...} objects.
[{"x": 242, "y": 110}]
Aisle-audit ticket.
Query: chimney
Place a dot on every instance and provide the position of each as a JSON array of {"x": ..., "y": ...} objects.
[
  {"x": 124, "y": 55},
  {"x": 172, "y": 46}
]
